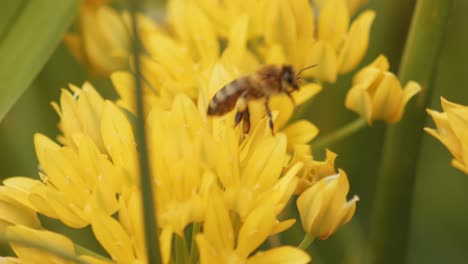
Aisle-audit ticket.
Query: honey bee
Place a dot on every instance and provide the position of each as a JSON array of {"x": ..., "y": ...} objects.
[{"x": 267, "y": 81}]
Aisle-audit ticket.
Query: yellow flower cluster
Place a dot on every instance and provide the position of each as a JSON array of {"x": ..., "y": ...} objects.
[
  {"x": 279, "y": 31},
  {"x": 451, "y": 130},
  {"x": 206, "y": 172}
]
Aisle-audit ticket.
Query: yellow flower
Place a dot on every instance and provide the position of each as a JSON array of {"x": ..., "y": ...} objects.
[
  {"x": 377, "y": 94},
  {"x": 281, "y": 31},
  {"x": 103, "y": 40},
  {"x": 324, "y": 208},
  {"x": 205, "y": 171},
  {"x": 220, "y": 243},
  {"x": 80, "y": 112},
  {"x": 15, "y": 213},
  {"x": 313, "y": 170},
  {"x": 452, "y": 125},
  {"x": 27, "y": 254}
]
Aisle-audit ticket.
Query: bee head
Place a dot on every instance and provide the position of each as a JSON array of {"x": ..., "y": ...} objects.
[{"x": 288, "y": 79}]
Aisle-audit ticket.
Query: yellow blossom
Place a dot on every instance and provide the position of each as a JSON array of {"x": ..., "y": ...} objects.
[
  {"x": 451, "y": 127},
  {"x": 219, "y": 242},
  {"x": 27, "y": 254},
  {"x": 377, "y": 93},
  {"x": 288, "y": 30},
  {"x": 313, "y": 170},
  {"x": 103, "y": 41},
  {"x": 80, "y": 112},
  {"x": 324, "y": 208}
]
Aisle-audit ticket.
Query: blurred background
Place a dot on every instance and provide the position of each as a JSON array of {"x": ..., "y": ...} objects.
[{"x": 439, "y": 231}]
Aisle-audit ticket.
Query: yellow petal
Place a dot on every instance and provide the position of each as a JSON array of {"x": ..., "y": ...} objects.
[
  {"x": 113, "y": 30},
  {"x": 410, "y": 90},
  {"x": 304, "y": 17},
  {"x": 119, "y": 140},
  {"x": 10, "y": 260},
  {"x": 386, "y": 98},
  {"x": 309, "y": 205},
  {"x": 55, "y": 204},
  {"x": 275, "y": 54},
  {"x": 256, "y": 228},
  {"x": 279, "y": 24},
  {"x": 12, "y": 212},
  {"x": 208, "y": 254},
  {"x": 300, "y": 132},
  {"x": 460, "y": 166},
  {"x": 218, "y": 227},
  {"x": 264, "y": 165},
  {"x": 283, "y": 225},
  {"x": 356, "y": 43},
  {"x": 99, "y": 48},
  {"x": 285, "y": 254},
  {"x": 324, "y": 55},
  {"x": 381, "y": 63},
  {"x": 30, "y": 255},
  {"x": 95, "y": 260},
  {"x": 166, "y": 243},
  {"x": 306, "y": 92},
  {"x": 333, "y": 22},
  {"x": 112, "y": 237},
  {"x": 18, "y": 189},
  {"x": 359, "y": 101}
]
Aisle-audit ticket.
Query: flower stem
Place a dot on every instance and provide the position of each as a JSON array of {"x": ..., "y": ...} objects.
[
  {"x": 181, "y": 250},
  {"x": 391, "y": 219},
  {"x": 308, "y": 239},
  {"x": 146, "y": 183},
  {"x": 193, "y": 246},
  {"x": 339, "y": 134}
]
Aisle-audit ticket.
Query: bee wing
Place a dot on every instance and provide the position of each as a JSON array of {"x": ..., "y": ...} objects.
[{"x": 269, "y": 79}]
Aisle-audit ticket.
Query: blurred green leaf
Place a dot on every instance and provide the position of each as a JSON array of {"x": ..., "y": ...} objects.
[{"x": 30, "y": 32}]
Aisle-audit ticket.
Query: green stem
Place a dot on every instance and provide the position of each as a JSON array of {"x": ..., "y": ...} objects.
[
  {"x": 391, "y": 219},
  {"x": 59, "y": 252},
  {"x": 308, "y": 239},
  {"x": 339, "y": 134},
  {"x": 146, "y": 183},
  {"x": 181, "y": 250},
  {"x": 196, "y": 227}
]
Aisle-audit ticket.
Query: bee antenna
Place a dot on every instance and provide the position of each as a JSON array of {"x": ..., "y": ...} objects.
[{"x": 305, "y": 68}]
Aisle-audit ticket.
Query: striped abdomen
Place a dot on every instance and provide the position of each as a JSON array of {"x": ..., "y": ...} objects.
[{"x": 225, "y": 99}]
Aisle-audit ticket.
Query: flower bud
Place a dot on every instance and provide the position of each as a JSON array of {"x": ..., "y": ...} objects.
[
  {"x": 323, "y": 207},
  {"x": 377, "y": 94}
]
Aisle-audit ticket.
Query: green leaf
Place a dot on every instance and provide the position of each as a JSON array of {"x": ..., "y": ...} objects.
[
  {"x": 390, "y": 230},
  {"x": 29, "y": 33}
]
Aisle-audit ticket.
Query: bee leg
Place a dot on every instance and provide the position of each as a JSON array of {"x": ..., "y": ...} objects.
[
  {"x": 238, "y": 118},
  {"x": 270, "y": 117},
  {"x": 246, "y": 124},
  {"x": 292, "y": 100}
]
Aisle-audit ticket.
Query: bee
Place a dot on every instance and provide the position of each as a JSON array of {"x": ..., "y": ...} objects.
[{"x": 267, "y": 81}]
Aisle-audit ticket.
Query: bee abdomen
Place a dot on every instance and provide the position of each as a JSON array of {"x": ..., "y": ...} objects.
[{"x": 225, "y": 99}]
